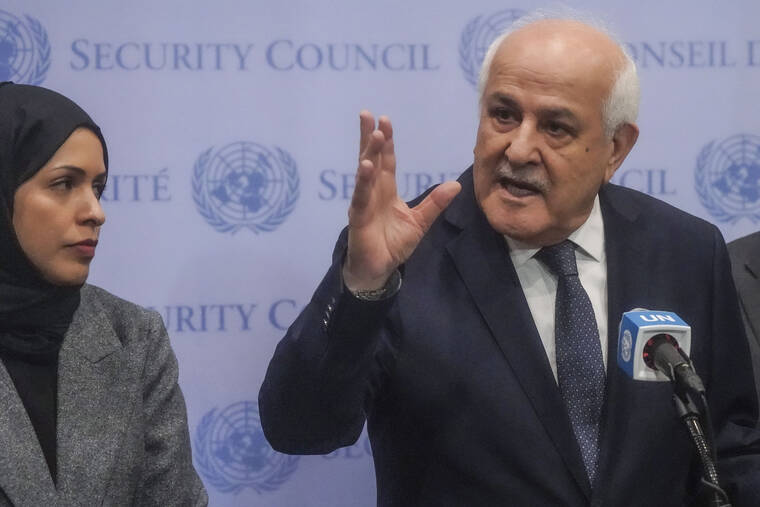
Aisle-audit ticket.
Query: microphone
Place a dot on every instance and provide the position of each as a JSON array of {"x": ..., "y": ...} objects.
[
  {"x": 653, "y": 345},
  {"x": 662, "y": 353}
]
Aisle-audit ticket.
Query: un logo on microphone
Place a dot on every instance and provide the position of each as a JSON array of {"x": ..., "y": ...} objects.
[
  {"x": 232, "y": 453},
  {"x": 626, "y": 346},
  {"x": 727, "y": 178},
  {"x": 479, "y": 33},
  {"x": 24, "y": 50},
  {"x": 245, "y": 185}
]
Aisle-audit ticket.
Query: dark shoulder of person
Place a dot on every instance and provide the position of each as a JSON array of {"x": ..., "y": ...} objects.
[
  {"x": 746, "y": 248},
  {"x": 658, "y": 213}
]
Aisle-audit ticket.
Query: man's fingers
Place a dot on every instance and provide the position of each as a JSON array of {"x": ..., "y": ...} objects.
[
  {"x": 366, "y": 126},
  {"x": 388, "y": 153},
  {"x": 384, "y": 126},
  {"x": 432, "y": 206},
  {"x": 375, "y": 142},
  {"x": 388, "y": 150},
  {"x": 365, "y": 178}
]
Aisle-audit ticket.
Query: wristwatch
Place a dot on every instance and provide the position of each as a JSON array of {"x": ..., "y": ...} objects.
[{"x": 390, "y": 288}]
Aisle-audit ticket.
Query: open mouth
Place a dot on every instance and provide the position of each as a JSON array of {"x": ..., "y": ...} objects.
[{"x": 519, "y": 188}]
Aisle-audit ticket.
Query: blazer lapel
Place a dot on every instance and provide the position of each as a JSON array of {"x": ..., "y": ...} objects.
[
  {"x": 96, "y": 390},
  {"x": 24, "y": 475},
  {"x": 628, "y": 287},
  {"x": 749, "y": 293},
  {"x": 482, "y": 260}
]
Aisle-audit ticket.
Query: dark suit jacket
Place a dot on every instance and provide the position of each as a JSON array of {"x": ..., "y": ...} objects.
[
  {"x": 460, "y": 401},
  {"x": 745, "y": 265},
  {"x": 122, "y": 435}
]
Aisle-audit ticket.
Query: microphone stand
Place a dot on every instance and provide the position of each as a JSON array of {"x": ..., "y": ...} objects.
[{"x": 690, "y": 413}]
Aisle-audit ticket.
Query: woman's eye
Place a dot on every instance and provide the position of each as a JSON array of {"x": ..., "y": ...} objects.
[
  {"x": 62, "y": 184},
  {"x": 99, "y": 188}
]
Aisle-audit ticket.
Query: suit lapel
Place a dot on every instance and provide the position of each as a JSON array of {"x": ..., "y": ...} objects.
[
  {"x": 628, "y": 287},
  {"x": 96, "y": 390},
  {"x": 753, "y": 267},
  {"x": 749, "y": 293},
  {"x": 24, "y": 475},
  {"x": 482, "y": 260}
]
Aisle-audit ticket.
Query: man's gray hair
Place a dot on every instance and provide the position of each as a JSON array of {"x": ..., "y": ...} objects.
[{"x": 622, "y": 104}]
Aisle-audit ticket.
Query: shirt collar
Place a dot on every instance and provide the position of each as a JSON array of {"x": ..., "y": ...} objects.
[{"x": 589, "y": 237}]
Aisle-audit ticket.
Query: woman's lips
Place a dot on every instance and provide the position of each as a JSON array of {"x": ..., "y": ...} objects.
[{"x": 85, "y": 248}]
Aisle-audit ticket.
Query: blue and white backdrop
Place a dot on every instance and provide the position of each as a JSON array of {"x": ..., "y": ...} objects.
[{"x": 232, "y": 128}]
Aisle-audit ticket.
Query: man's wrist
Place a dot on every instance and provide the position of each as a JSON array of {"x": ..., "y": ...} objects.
[{"x": 391, "y": 287}]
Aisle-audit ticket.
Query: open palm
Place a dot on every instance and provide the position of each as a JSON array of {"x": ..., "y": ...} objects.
[{"x": 382, "y": 230}]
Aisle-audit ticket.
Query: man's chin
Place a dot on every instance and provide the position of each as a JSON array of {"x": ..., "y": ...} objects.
[
  {"x": 524, "y": 228},
  {"x": 514, "y": 215}
]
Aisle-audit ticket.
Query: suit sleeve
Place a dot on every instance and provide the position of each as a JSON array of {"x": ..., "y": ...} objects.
[
  {"x": 732, "y": 397},
  {"x": 168, "y": 477},
  {"x": 313, "y": 395}
]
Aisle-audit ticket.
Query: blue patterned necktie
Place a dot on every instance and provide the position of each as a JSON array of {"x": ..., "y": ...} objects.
[{"x": 580, "y": 368}]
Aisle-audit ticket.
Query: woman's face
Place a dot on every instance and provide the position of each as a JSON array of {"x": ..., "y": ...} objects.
[{"x": 57, "y": 213}]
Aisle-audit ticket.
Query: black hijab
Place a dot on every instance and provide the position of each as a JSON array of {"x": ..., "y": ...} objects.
[
  {"x": 34, "y": 313},
  {"x": 34, "y": 123}
]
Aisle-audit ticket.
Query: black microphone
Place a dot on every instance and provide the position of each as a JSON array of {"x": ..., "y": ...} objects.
[{"x": 662, "y": 353}]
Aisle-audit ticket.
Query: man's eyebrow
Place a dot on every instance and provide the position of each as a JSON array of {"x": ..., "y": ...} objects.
[
  {"x": 556, "y": 113},
  {"x": 503, "y": 99}
]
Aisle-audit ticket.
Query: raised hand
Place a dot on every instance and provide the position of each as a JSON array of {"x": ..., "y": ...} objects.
[{"x": 382, "y": 230}]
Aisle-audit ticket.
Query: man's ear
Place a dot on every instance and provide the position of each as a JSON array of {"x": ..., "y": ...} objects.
[{"x": 622, "y": 143}]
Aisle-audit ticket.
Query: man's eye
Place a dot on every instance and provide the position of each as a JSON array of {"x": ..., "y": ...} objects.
[
  {"x": 557, "y": 129},
  {"x": 503, "y": 115}
]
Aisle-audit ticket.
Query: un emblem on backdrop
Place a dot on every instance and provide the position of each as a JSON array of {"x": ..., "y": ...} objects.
[
  {"x": 24, "y": 50},
  {"x": 232, "y": 453},
  {"x": 245, "y": 185},
  {"x": 479, "y": 33},
  {"x": 728, "y": 178}
]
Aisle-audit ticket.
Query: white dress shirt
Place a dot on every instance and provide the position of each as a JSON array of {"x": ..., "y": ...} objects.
[{"x": 540, "y": 285}]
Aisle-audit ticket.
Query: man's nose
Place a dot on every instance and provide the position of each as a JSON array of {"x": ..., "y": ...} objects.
[{"x": 523, "y": 145}]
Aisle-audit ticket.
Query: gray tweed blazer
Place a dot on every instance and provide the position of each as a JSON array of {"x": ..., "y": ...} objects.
[
  {"x": 122, "y": 436},
  {"x": 745, "y": 266}
]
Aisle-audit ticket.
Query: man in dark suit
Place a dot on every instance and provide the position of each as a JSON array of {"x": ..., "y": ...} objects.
[
  {"x": 454, "y": 327},
  {"x": 745, "y": 266}
]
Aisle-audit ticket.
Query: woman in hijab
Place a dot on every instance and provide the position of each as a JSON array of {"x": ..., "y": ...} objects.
[{"x": 90, "y": 409}]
